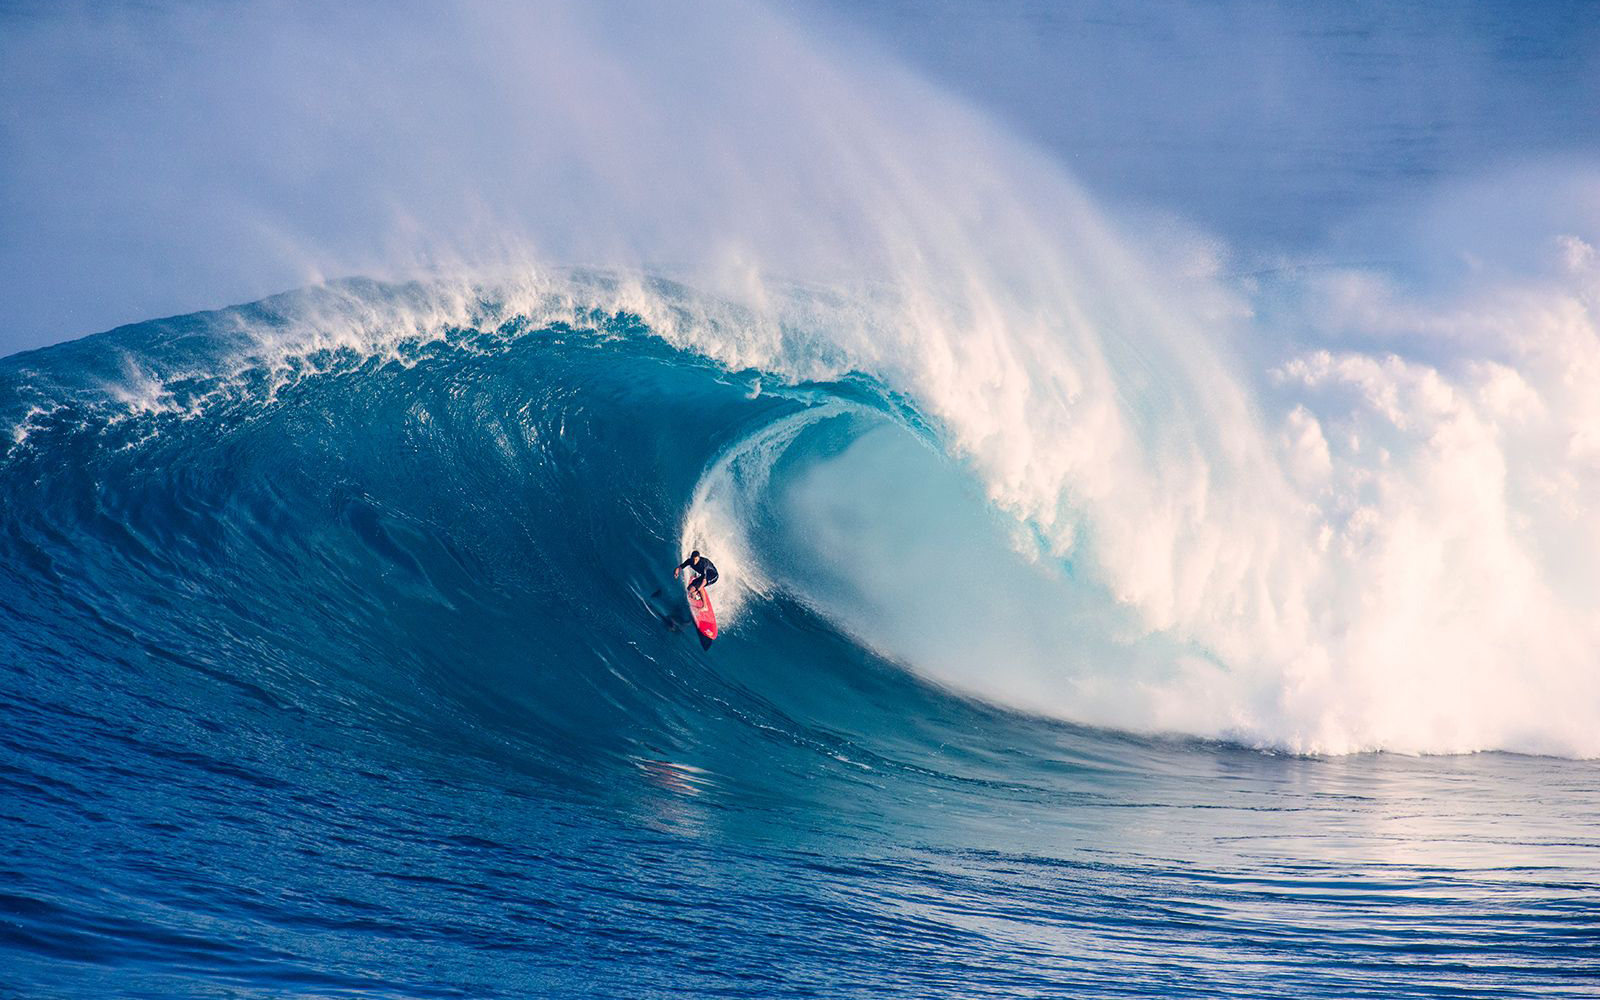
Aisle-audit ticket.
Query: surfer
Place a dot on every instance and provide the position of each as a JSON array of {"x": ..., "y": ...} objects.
[{"x": 701, "y": 565}]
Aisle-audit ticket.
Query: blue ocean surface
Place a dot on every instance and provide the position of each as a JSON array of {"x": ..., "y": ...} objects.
[
  {"x": 1151, "y": 453},
  {"x": 329, "y": 671}
]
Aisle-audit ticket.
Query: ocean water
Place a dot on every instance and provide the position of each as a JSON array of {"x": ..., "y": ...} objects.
[
  {"x": 335, "y": 672},
  {"x": 1151, "y": 455}
]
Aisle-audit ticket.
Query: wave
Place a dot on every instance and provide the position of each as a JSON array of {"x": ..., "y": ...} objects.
[
  {"x": 1361, "y": 552},
  {"x": 1167, "y": 488}
]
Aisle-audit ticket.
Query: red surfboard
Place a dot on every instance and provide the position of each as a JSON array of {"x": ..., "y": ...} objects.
[{"x": 705, "y": 620}]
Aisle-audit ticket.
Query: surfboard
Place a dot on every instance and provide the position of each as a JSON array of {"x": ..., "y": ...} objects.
[{"x": 705, "y": 620}]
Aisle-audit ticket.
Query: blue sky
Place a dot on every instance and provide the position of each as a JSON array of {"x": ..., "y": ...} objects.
[{"x": 157, "y": 159}]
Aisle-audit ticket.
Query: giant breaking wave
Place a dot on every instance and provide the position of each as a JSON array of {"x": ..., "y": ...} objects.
[{"x": 1084, "y": 509}]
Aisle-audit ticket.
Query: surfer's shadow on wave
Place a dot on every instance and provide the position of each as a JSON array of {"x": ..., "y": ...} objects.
[
  {"x": 672, "y": 610},
  {"x": 672, "y": 614}
]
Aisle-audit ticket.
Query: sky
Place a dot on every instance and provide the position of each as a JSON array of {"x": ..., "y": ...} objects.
[{"x": 163, "y": 158}]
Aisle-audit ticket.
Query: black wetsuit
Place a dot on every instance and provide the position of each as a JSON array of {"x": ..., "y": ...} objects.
[{"x": 703, "y": 566}]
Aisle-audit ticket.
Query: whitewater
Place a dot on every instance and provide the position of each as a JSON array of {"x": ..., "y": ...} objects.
[{"x": 1107, "y": 608}]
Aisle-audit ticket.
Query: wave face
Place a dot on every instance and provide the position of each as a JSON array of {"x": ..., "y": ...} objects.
[{"x": 342, "y": 655}]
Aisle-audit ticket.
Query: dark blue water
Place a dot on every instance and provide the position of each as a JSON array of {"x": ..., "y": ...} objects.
[{"x": 340, "y": 670}]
